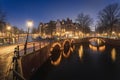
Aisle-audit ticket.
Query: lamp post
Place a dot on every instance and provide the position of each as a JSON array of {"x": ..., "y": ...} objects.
[
  {"x": 29, "y": 25},
  {"x": 9, "y": 28}
]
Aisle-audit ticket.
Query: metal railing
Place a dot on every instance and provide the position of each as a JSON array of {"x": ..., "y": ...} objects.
[{"x": 19, "y": 52}]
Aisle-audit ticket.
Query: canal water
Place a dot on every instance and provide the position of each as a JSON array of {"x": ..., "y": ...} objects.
[{"x": 86, "y": 62}]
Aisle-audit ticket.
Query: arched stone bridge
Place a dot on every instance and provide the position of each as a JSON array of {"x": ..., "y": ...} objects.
[{"x": 59, "y": 50}]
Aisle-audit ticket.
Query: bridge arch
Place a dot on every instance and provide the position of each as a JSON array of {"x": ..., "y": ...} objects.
[
  {"x": 55, "y": 54},
  {"x": 66, "y": 48}
]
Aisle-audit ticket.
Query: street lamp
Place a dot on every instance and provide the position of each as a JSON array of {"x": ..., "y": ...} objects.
[
  {"x": 29, "y": 25},
  {"x": 113, "y": 32},
  {"x": 62, "y": 22},
  {"x": 9, "y": 28}
]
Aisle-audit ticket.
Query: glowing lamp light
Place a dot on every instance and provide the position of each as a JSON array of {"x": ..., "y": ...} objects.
[
  {"x": 29, "y": 23},
  {"x": 113, "y": 32},
  {"x": 8, "y": 27}
]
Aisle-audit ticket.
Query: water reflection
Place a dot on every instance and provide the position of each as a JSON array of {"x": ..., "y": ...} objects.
[
  {"x": 67, "y": 48},
  {"x": 97, "y": 44},
  {"x": 89, "y": 64},
  {"x": 66, "y": 55},
  {"x": 98, "y": 48},
  {"x": 55, "y": 54},
  {"x": 102, "y": 48},
  {"x": 72, "y": 48},
  {"x": 92, "y": 47},
  {"x": 57, "y": 62},
  {"x": 113, "y": 54},
  {"x": 80, "y": 52}
]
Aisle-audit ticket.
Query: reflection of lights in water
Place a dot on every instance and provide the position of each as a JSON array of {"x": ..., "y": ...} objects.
[
  {"x": 57, "y": 62},
  {"x": 113, "y": 54},
  {"x": 93, "y": 47},
  {"x": 72, "y": 48},
  {"x": 97, "y": 44},
  {"x": 102, "y": 48},
  {"x": 68, "y": 54},
  {"x": 81, "y": 52}
]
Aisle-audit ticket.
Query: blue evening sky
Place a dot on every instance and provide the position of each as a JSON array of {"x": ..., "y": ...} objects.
[{"x": 19, "y": 11}]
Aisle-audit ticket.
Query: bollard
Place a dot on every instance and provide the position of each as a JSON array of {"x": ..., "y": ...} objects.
[
  {"x": 18, "y": 56},
  {"x": 15, "y": 67},
  {"x": 15, "y": 52},
  {"x": 25, "y": 48},
  {"x": 15, "y": 62}
]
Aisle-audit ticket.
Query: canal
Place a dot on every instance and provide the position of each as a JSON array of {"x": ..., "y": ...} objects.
[{"x": 86, "y": 62}]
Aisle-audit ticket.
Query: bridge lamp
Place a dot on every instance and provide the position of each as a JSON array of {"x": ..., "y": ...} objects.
[{"x": 29, "y": 25}]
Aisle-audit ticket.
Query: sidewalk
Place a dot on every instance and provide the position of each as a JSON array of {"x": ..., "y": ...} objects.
[{"x": 6, "y": 54}]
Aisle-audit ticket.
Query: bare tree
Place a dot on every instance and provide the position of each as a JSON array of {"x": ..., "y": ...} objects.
[
  {"x": 2, "y": 20},
  {"x": 34, "y": 30},
  {"x": 84, "y": 22},
  {"x": 15, "y": 30},
  {"x": 109, "y": 17}
]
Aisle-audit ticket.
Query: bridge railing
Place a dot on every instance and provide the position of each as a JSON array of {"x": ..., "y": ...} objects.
[
  {"x": 19, "y": 52},
  {"x": 31, "y": 47}
]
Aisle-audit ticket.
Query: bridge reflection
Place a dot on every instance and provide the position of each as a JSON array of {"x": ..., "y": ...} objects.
[
  {"x": 57, "y": 51},
  {"x": 67, "y": 48},
  {"x": 113, "y": 54},
  {"x": 80, "y": 52},
  {"x": 97, "y": 44},
  {"x": 94, "y": 48}
]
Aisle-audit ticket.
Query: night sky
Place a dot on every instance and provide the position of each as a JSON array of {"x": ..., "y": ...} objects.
[{"x": 19, "y": 11}]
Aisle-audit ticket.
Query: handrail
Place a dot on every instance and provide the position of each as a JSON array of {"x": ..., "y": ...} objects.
[{"x": 19, "y": 77}]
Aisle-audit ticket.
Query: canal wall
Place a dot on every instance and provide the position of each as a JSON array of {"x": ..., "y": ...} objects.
[{"x": 31, "y": 62}]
